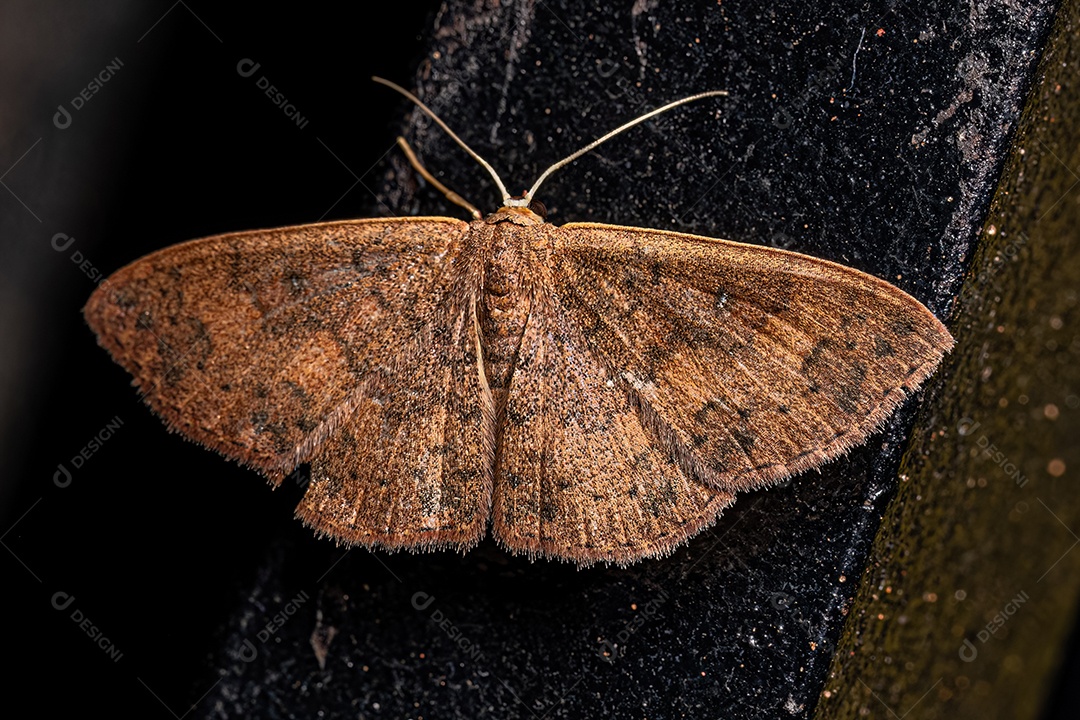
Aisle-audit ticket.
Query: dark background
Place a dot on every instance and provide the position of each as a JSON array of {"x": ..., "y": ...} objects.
[{"x": 181, "y": 558}]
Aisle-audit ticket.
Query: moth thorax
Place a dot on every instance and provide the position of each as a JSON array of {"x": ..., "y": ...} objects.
[{"x": 504, "y": 305}]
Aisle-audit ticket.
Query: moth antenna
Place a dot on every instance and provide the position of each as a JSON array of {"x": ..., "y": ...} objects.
[
  {"x": 527, "y": 197},
  {"x": 434, "y": 181},
  {"x": 431, "y": 114}
]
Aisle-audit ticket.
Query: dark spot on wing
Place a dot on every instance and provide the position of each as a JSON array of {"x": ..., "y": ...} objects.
[
  {"x": 745, "y": 438},
  {"x": 883, "y": 348}
]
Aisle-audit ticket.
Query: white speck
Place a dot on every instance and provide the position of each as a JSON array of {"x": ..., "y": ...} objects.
[{"x": 636, "y": 383}]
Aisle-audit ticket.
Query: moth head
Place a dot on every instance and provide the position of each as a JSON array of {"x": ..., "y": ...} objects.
[{"x": 519, "y": 215}]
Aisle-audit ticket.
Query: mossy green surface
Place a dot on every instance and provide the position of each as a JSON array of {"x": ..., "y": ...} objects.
[{"x": 971, "y": 592}]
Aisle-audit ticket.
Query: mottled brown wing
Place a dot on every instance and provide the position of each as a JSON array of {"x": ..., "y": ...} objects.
[
  {"x": 578, "y": 475},
  {"x": 659, "y": 373},
  {"x": 750, "y": 363},
  {"x": 351, "y": 345}
]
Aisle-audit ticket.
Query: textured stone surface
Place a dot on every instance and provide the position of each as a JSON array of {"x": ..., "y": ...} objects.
[{"x": 967, "y": 605}]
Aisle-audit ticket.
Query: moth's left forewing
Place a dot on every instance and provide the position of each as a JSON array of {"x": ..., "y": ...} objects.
[{"x": 753, "y": 363}]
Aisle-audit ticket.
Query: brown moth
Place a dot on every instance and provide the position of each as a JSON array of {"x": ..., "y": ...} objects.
[{"x": 440, "y": 375}]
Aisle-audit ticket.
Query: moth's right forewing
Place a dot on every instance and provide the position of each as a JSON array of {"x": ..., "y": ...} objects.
[{"x": 255, "y": 344}]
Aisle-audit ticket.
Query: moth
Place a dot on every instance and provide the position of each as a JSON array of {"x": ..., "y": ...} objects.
[{"x": 593, "y": 393}]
